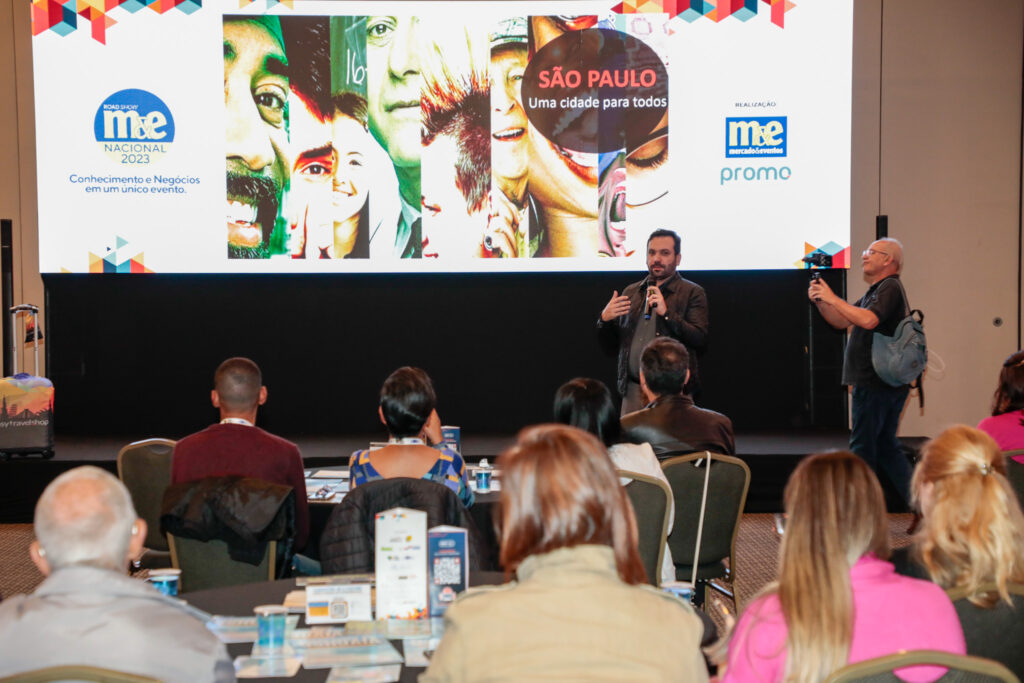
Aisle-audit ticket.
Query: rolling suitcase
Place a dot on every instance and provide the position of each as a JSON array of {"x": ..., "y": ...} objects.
[{"x": 26, "y": 401}]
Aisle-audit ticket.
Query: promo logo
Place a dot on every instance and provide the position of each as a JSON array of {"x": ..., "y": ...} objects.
[
  {"x": 756, "y": 136},
  {"x": 134, "y": 127}
]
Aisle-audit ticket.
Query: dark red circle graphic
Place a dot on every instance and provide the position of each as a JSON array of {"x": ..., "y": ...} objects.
[{"x": 596, "y": 90}]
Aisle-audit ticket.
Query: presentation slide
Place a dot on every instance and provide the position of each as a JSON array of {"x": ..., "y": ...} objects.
[{"x": 469, "y": 136}]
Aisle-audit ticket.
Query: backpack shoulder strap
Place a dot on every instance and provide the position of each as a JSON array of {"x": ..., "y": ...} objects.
[{"x": 906, "y": 301}]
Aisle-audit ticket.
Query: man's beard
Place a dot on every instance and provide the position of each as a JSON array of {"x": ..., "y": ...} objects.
[
  {"x": 263, "y": 193},
  {"x": 238, "y": 252}
]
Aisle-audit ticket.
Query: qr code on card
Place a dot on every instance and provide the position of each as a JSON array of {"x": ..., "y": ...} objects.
[{"x": 447, "y": 570}]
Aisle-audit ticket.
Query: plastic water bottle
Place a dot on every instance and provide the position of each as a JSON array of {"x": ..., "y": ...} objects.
[{"x": 483, "y": 476}]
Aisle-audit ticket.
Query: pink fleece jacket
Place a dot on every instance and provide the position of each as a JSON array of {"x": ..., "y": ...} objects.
[{"x": 891, "y": 613}]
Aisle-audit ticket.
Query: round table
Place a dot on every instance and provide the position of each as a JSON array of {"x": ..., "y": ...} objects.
[{"x": 240, "y": 600}]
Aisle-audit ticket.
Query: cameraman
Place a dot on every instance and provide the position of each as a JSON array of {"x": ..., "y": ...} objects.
[{"x": 876, "y": 405}]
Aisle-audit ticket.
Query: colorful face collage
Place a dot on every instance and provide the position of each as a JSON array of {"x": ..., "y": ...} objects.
[{"x": 388, "y": 137}]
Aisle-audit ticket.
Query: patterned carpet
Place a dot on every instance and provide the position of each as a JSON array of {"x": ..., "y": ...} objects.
[
  {"x": 17, "y": 573},
  {"x": 757, "y": 551},
  {"x": 756, "y": 548}
]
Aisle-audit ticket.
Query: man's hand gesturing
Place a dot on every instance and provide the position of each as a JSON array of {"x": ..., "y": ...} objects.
[{"x": 617, "y": 305}]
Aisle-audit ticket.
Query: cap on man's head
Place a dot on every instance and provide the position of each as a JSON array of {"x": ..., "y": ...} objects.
[{"x": 511, "y": 31}]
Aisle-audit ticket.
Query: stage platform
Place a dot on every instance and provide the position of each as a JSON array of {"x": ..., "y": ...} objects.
[{"x": 771, "y": 456}]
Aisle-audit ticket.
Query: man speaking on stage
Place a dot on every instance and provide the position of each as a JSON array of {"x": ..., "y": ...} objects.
[{"x": 663, "y": 304}]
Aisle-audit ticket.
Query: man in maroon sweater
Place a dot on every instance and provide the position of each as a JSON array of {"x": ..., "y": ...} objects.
[{"x": 237, "y": 446}]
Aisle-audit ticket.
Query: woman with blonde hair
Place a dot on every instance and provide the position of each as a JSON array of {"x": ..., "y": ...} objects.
[
  {"x": 972, "y": 534},
  {"x": 837, "y": 600},
  {"x": 579, "y": 609}
]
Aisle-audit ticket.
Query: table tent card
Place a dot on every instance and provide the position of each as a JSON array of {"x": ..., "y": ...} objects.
[
  {"x": 337, "y": 603},
  {"x": 400, "y": 539},
  {"x": 448, "y": 561},
  {"x": 451, "y": 436}
]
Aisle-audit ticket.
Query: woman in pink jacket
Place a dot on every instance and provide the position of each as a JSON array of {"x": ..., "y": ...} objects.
[{"x": 837, "y": 600}]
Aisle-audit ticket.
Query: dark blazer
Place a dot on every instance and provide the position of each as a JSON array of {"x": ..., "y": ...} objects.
[
  {"x": 675, "y": 424},
  {"x": 686, "y": 321},
  {"x": 347, "y": 544}
]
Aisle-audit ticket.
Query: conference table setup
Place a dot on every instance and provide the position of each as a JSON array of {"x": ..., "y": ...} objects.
[
  {"x": 355, "y": 650},
  {"x": 386, "y": 650}
]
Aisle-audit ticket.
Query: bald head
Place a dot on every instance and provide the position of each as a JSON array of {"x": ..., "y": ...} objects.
[
  {"x": 85, "y": 517},
  {"x": 894, "y": 248},
  {"x": 238, "y": 387}
]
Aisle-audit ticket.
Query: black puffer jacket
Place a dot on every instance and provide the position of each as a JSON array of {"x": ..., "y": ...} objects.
[
  {"x": 347, "y": 542},
  {"x": 245, "y": 513}
]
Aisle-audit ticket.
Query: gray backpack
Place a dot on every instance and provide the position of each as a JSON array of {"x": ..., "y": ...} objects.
[{"x": 900, "y": 359}]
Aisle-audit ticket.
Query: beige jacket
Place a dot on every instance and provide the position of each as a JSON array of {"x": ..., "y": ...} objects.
[{"x": 569, "y": 618}]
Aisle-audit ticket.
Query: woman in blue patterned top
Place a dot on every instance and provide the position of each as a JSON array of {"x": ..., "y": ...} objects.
[{"x": 407, "y": 407}]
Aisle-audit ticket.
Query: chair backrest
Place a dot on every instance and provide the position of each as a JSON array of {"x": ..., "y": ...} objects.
[
  {"x": 1015, "y": 473},
  {"x": 145, "y": 469},
  {"x": 208, "y": 564},
  {"x": 224, "y": 531},
  {"x": 650, "y": 499},
  {"x": 77, "y": 673},
  {"x": 728, "y": 483},
  {"x": 962, "y": 668},
  {"x": 995, "y": 632},
  {"x": 347, "y": 544}
]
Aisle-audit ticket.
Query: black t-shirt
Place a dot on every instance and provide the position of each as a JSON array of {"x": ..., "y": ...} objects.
[{"x": 885, "y": 300}]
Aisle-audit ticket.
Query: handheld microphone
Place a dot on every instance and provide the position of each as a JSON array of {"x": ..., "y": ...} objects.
[{"x": 647, "y": 305}]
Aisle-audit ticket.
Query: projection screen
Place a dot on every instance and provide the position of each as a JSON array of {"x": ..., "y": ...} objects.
[{"x": 466, "y": 136}]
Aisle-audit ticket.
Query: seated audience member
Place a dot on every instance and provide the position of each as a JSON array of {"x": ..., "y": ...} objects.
[
  {"x": 972, "y": 532},
  {"x": 236, "y": 446},
  {"x": 1006, "y": 425},
  {"x": 671, "y": 421},
  {"x": 837, "y": 600},
  {"x": 579, "y": 609},
  {"x": 87, "y": 611},
  {"x": 415, "y": 448},
  {"x": 587, "y": 404}
]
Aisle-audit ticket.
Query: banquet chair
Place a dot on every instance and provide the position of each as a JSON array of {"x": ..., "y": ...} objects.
[
  {"x": 961, "y": 668},
  {"x": 225, "y": 531},
  {"x": 93, "y": 674},
  {"x": 728, "y": 482},
  {"x": 347, "y": 544},
  {"x": 145, "y": 469},
  {"x": 208, "y": 564},
  {"x": 1015, "y": 473},
  {"x": 650, "y": 498},
  {"x": 995, "y": 632}
]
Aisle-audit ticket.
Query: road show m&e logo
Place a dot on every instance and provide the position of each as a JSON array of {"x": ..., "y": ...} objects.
[
  {"x": 134, "y": 127},
  {"x": 756, "y": 136}
]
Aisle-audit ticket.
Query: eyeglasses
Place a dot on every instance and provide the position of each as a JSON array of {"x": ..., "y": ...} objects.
[{"x": 869, "y": 251}]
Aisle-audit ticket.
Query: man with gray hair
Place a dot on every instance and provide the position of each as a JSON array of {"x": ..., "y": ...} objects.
[
  {"x": 876, "y": 406},
  {"x": 87, "y": 611}
]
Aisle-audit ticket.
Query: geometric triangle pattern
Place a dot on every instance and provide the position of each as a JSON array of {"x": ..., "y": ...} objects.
[
  {"x": 117, "y": 261},
  {"x": 692, "y": 10},
  {"x": 835, "y": 255},
  {"x": 61, "y": 16}
]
